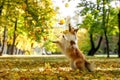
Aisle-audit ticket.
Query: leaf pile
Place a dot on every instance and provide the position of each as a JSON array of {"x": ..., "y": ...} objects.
[{"x": 51, "y": 68}]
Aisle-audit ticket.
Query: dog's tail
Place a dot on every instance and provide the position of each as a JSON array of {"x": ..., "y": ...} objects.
[{"x": 90, "y": 67}]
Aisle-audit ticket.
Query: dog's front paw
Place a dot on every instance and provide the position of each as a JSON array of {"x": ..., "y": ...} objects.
[{"x": 55, "y": 41}]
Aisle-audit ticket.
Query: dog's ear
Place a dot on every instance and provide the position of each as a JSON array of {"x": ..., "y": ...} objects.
[
  {"x": 70, "y": 27},
  {"x": 76, "y": 30}
]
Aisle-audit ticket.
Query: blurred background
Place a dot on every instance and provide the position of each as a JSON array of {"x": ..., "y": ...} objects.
[{"x": 28, "y": 26}]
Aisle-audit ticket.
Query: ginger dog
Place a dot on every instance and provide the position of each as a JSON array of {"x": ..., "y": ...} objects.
[{"x": 68, "y": 45}]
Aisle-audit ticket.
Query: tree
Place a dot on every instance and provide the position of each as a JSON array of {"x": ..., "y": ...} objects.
[
  {"x": 14, "y": 38},
  {"x": 94, "y": 26},
  {"x": 98, "y": 21},
  {"x": 4, "y": 43},
  {"x": 119, "y": 34},
  {"x": 34, "y": 19},
  {"x": 108, "y": 21}
]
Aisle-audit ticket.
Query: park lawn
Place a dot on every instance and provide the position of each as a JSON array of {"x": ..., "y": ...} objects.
[{"x": 56, "y": 68}]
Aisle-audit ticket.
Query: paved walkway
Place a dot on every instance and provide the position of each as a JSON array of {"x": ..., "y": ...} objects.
[{"x": 32, "y": 56}]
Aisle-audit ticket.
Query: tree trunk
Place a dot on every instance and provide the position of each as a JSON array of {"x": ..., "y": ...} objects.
[
  {"x": 4, "y": 47},
  {"x": 106, "y": 37},
  {"x": 107, "y": 44},
  {"x": 105, "y": 33},
  {"x": 14, "y": 38},
  {"x": 1, "y": 7},
  {"x": 94, "y": 49},
  {"x": 105, "y": 28},
  {"x": 9, "y": 48},
  {"x": 119, "y": 34},
  {"x": 1, "y": 45}
]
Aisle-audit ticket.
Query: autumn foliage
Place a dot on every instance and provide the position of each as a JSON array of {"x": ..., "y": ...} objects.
[{"x": 56, "y": 68}]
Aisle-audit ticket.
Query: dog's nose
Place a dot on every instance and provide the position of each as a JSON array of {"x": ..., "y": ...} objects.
[
  {"x": 63, "y": 36},
  {"x": 72, "y": 42}
]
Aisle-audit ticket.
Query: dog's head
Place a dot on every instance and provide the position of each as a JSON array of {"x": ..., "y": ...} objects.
[{"x": 70, "y": 35}]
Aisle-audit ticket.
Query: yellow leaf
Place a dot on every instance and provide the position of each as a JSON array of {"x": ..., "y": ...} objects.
[
  {"x": 66, "y": 5},
  {"x": 62, "y": 21}
]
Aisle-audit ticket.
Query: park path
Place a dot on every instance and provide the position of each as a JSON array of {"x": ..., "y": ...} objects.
[{"x": 30, "y": 56}]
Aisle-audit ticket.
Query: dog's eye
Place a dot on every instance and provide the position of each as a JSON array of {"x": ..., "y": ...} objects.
[{"x": 64, "y": 37}]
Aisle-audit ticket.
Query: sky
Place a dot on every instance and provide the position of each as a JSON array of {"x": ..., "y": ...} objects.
[
  {"x": 70, "y": 11},
  {"x": 65, "y": 12}
]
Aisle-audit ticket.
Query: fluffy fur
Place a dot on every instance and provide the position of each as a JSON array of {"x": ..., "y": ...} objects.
[{"x": 68, "y": 45}]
